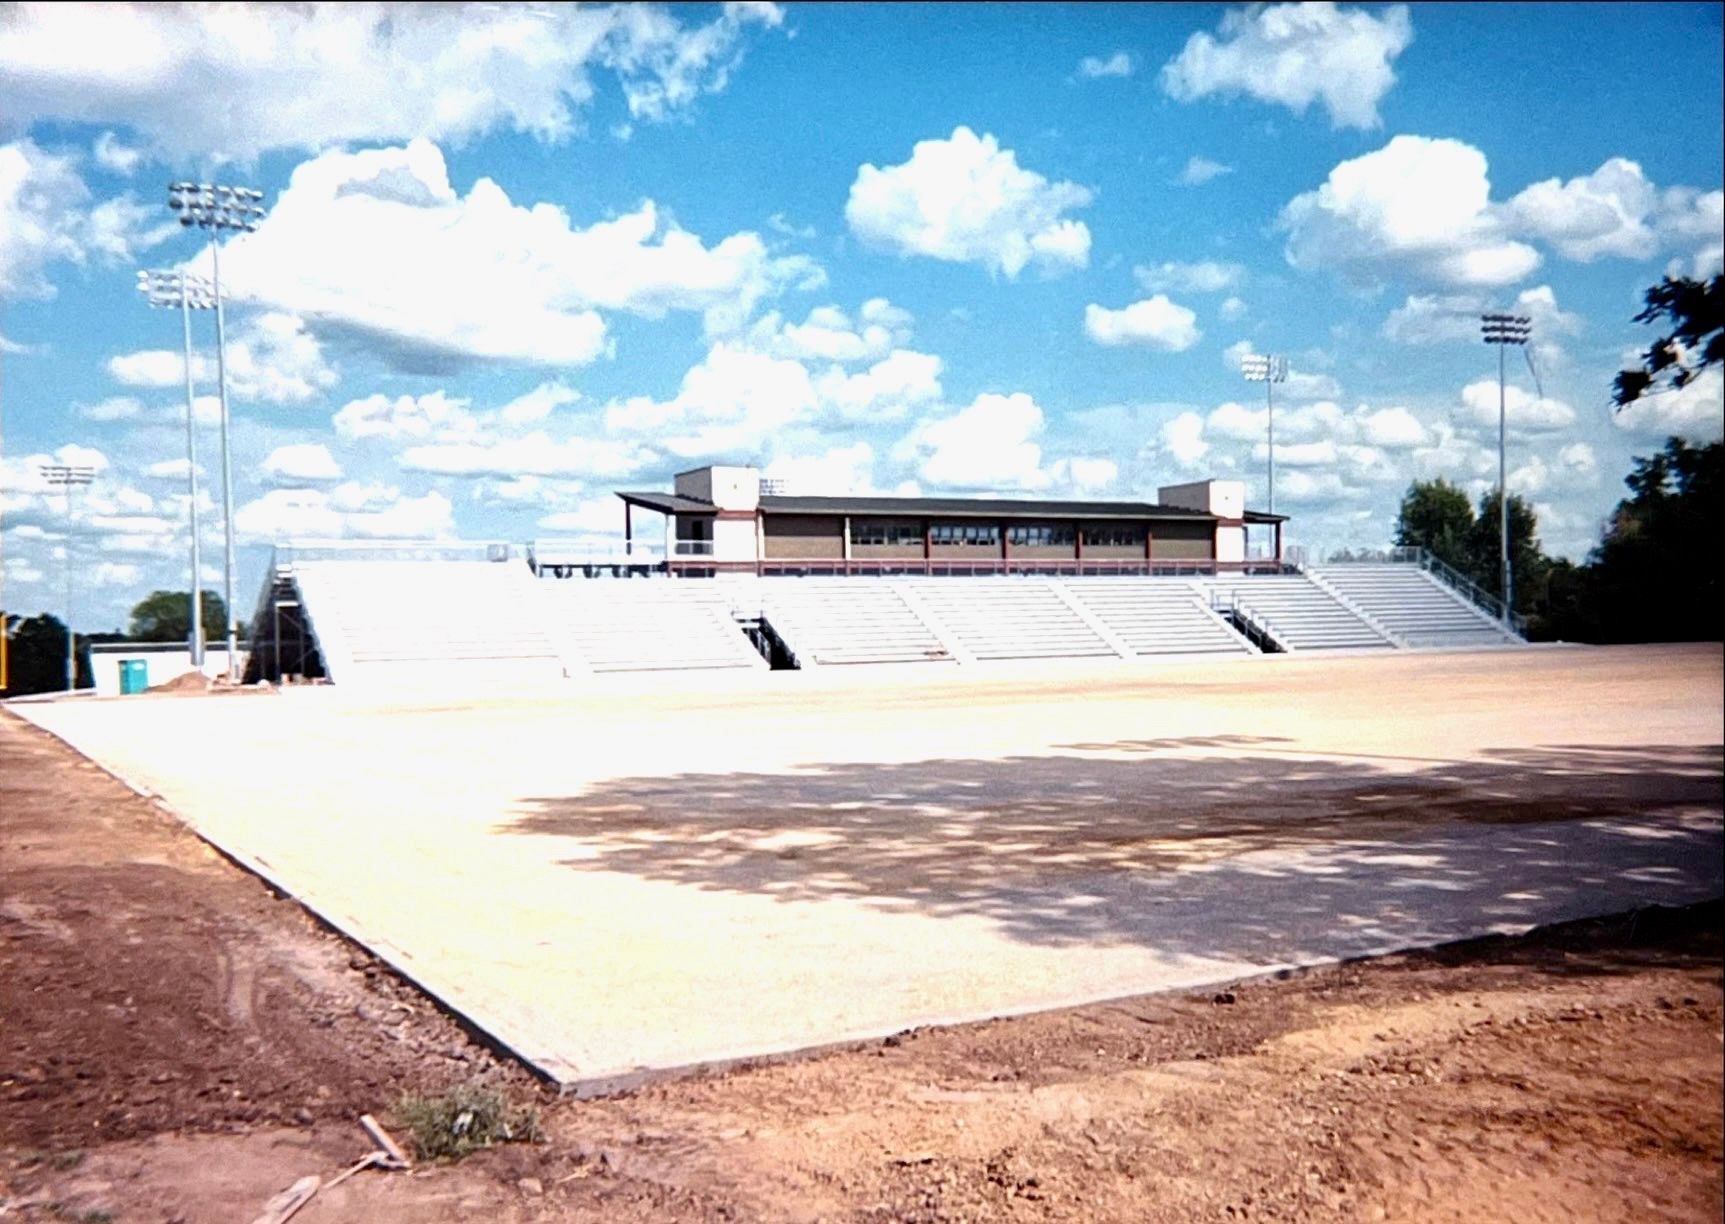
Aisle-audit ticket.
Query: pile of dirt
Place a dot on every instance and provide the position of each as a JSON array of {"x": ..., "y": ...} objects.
[{"x": 187, "y": 682}]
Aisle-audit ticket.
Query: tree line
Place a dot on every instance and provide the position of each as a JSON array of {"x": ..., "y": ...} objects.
[
  {"x": 1652, "y": 577},
  {"x": 36, "y": 645}
]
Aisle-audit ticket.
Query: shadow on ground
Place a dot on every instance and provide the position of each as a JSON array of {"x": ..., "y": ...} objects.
[{"x": 1129, "y": 842}]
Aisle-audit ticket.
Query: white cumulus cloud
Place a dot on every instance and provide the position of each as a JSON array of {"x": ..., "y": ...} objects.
[
  {"x": 1523, "y": 411},
  {"x": 1695, "y": 412},
  {"x": 964, "y": 199},
  {"x": 1182, "y": 437},
  {"x": 313, "y": 76},
  {"x": 1200, "y": 170},
  {"x": 351, "y": 510},
  {"x": 270, "y": 357},
  {"x": 841, "y": 470},
  {"x": 1603, "y": 213},
  {"x": 1416, "y": 205},
  {"x": 433, "y": 414},
  {"x": 1204, "y": 276},
  {"x": 1096, "y": 66},
  {"x": 1155, "y": 322},
  {"x": 348, "y": 244},
  {"x": 990, "y": 445},
  {"x": 301, "y": 462},
  {"x": 1295, "y": 55},
  {"x": 47, "y": 217}
]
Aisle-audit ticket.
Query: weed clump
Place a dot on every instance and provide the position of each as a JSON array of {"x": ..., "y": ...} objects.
[{"x": 464, "y": 1120}]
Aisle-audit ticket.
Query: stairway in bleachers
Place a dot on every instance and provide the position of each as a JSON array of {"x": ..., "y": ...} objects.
[
  {"x": 1298, "y": 614},
  {"x": 1417, "y": 607},
  {"x": 847, "y": 620},
  {"x": 1156, "y": 616},
  {"x": 652, "y": 624},
  {"x": 1008, "y": 618},
  {"x": 433, "y": 622}
]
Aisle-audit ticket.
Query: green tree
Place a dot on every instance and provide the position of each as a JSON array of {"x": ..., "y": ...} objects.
[
  {"x": 1653, "y": 573},
  {"x": 1436, "y": 516},
  {"x": 1527, "y": 563},
  {"x": 166, "y": 616},
  {"x": 1694, "y": 313},
  {"x": 36, "y": 655}
]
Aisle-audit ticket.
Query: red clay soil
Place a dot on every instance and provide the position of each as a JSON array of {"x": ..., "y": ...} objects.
[{"x": 178, "y": 1044}]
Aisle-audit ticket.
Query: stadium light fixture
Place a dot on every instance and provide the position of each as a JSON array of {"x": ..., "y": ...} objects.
[
  {"x": 1269, "y": 370},
  {"x": 67, "y": 477},
  {"x": 1504, "y": 330},
  {"x": 176, "y": 288},
  {"x": 216, "y": 207}
]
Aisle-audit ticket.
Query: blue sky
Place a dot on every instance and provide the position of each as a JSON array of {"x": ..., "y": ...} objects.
[{"x": 517, "y": 259}]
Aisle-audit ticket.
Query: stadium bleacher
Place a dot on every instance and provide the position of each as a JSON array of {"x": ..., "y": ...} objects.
[
  {"x": 1156, "y": 616},
  {"x": 460, "y": 620},
  {"x": 1415, "y": 605},
  {"x": 645, "y": 625},
  {"x": 1298, "y": 614},
  {"x": 1009, "y": 618},
  {"x": 842, "y": 620},
  {"x": 438, "y": 622}
]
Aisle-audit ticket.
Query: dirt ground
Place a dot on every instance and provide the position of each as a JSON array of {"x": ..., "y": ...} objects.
[{"x": 178, "y": 1044}]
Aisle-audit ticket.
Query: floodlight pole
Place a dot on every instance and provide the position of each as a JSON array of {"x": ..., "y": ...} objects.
[
  {"x": 218, "y": 207},
  {"x": 1507, "y": 575},
  {"x": 68, "y": 477},
  {"x": 1269, "y": 370},
  {"x": 227, "y": 463},
  {"x": 196, "y": 638},
  {"x": 178, "y": 288},
  {"x": 1503, "y": 330}
]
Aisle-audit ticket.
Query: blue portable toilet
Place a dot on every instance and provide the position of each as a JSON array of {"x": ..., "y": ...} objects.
[{"x": 134, "y": 675}]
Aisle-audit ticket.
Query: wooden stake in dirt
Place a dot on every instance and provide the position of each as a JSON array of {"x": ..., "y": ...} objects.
[
  {"x": 282, "y": 1207},
  {"x": 381, "y": 1137}
]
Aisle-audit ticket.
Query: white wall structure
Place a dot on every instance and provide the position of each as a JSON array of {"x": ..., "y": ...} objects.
[
  {"x": 164, "y": 661},
  {"x": 734, "y": 539},
  {"x": 727, "y": 488},
  {"x": 1223, "y": 498}
]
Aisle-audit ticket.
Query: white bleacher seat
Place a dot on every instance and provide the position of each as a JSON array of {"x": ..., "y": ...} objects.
[
  {"x": 647, "y": 624},
  {"x": 847, "y": 620},
  {"x": 427, "y": 621},
  {"x": 1156, "y": 616},
  {"x": 1416, "y": 606},
  {"x": 1298, "y": 613},
  {"x": 1009, "y": 618}
]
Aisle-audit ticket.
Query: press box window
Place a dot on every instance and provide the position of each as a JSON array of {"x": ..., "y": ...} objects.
[
  {"x": 972, "y": 534},
  {"x": 879, "y": 533},
  {"x": 1114, "y": 535},
  {"x": 1040, "y": 535}
]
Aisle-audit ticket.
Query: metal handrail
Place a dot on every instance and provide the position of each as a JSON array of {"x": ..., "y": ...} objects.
[
  {"x": 1266, "y": 627},
  {"x": 289, "y": 551},
  {"x": 944, "y": 566},
  {"x": 1463, "y": 585},
  {"x": 1241, "y": 610}
]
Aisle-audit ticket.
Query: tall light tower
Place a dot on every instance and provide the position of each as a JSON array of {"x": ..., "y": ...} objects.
[
  {"x": 1504, "y": 330},
  {"x": 216, "y": 207},
  {"x": 1269, "y": 370},
  {"x": 66, "y": 477},
  {"x": 178, "y": 289}
]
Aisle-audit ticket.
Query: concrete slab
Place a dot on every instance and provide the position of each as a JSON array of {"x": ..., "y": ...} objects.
[{"x": 654, "y": 874}]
